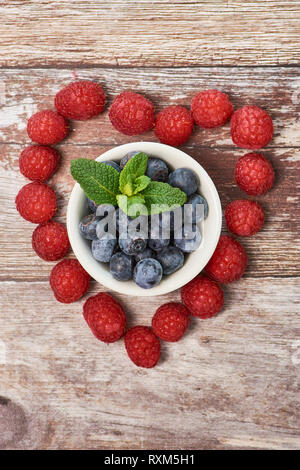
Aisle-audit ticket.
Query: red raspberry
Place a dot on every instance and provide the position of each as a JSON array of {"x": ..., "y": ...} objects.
[
  {"x": 131, "y": 113},
  {"x": 211, "y": 108},
  {"x": 80, "y": 100},
  {"x": 36, "y": 202},
  {"x": 105, "y": 317},
  {"x": 39, "y": 163},
  {"x": 47, "y": 127},
  {"x": 251, "y": 127},
  {"x": 170, "y": 321},
  {"x": 173, "y": 125},
  {"x": 142, "y": 346},
  {"x": 254, "y": 174},
  {"x": 69, "y": 281},
  {"x": 244, "y": 217},
  {"x": 50, "y": 241},
  {"x": 203, "y": 297},
  {"x": 229, "y": 261}
]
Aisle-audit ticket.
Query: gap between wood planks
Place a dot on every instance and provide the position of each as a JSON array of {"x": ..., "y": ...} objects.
[
  {"x": 186, "y": 146},
  {"x": 66, "y": 66}
]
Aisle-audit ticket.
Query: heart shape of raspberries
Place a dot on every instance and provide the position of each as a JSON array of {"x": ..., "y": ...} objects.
[{"x": 133, "y": 114}]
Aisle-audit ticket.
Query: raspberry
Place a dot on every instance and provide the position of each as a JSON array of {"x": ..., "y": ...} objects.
[
  {"x": 47, "y": 127},
  {"x": 251, "y": 127},
  {"x": 244, "y": 217},
  {"x": 142, "y": 346},
  {"x": 173, "y": 125},
  {"x": 229, "y": 261},
  {"x": 36, "y": 202},
  {"x": 203, "y": 297},
  {"x": 131, "y": 113},
  {"x": 50, "y": 241},
  {"x": 80, "y": 100},
  {"x": 211, "y": 108},
  {"x": 170, "y": 321},
  {"x": 254, "y": 174},
  {"x": 38, "y": 163},
  {"x": 105, "y": 317},
  {"x": 69, "y": 281}
]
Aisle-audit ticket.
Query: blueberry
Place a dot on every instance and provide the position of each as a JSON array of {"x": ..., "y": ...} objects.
[
  {"x": 157, "y": 170},
  {"x": 121, "y": 266},
  {"x": 87, "y": 226},
  {"x": 197, "y": 214},
  {"x": 127, "y": 157},
  {"x": 174, "y": 219},
  {"x": 134, "y": 243},
  {"x": 103, "y": 249},
  {"x": 113, "y": 164},
  {"x": 92, "y": 205},
  {"x": 158, "y": 238},
  {"x": 171, "y": 258},
  {"x": 147, "y": 253},
  {"x": 104, "y": 208},
  {"x": 147, "y": 273},
  {"x": 158, "y": 244},
  {"x": 184, "y": 179},
  {"x": 188, "y": 238}
]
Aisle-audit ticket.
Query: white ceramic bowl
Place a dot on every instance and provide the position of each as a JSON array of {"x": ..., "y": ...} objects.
[{"x": 194, "y": 263}]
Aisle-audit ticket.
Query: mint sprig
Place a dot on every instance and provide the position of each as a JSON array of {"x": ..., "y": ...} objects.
[
  {"x": 133, "y": 170},
  {"x": 140, "y": 183},
  {"x": 159, "y": 195},
  {"x": 132, "y": 205},
  {"x": 104, "y": 185},
  {"x": 99, "y": 181}
]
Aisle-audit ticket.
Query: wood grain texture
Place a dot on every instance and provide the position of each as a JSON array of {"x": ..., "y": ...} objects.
[
  {"x": 233, "y": 381},
  {"x": 279, "y": 236},
  {"x": 276, "y": 89},
  {"x": 143, "y": 33},
  {"x": 213, "y": 389},
  {"x": 26, "y": 91}
]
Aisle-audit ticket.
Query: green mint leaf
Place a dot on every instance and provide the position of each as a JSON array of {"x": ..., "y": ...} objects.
[
  {"x": 128, "y": 188},
  {"x": 132, "y": 205},
  {"x": 99, "y": 181},
  {"x": 159, "y": 196},
  {"x": 140, "y": 183},
  {"x": 136, "y": 167}
]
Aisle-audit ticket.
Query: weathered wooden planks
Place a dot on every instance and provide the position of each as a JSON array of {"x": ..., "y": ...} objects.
[
  {"x": 275, "y": 89},
  {"x": 233, "y": 382},
  {"x": 230, "y": 383},
  {"x": 143, "y": 33},
  {"x": 273, "y": 251}
]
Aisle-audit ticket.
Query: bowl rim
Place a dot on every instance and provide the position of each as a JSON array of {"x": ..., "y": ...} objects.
[{"x": 180, "y": 277}]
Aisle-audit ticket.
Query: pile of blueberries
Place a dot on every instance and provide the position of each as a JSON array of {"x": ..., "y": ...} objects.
[{"x": 147, "y": 247}]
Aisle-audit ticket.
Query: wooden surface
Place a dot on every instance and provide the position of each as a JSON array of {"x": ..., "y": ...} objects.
[
  {"x": 143, "y": 33},
  {"x": 233, "y": 381}
]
